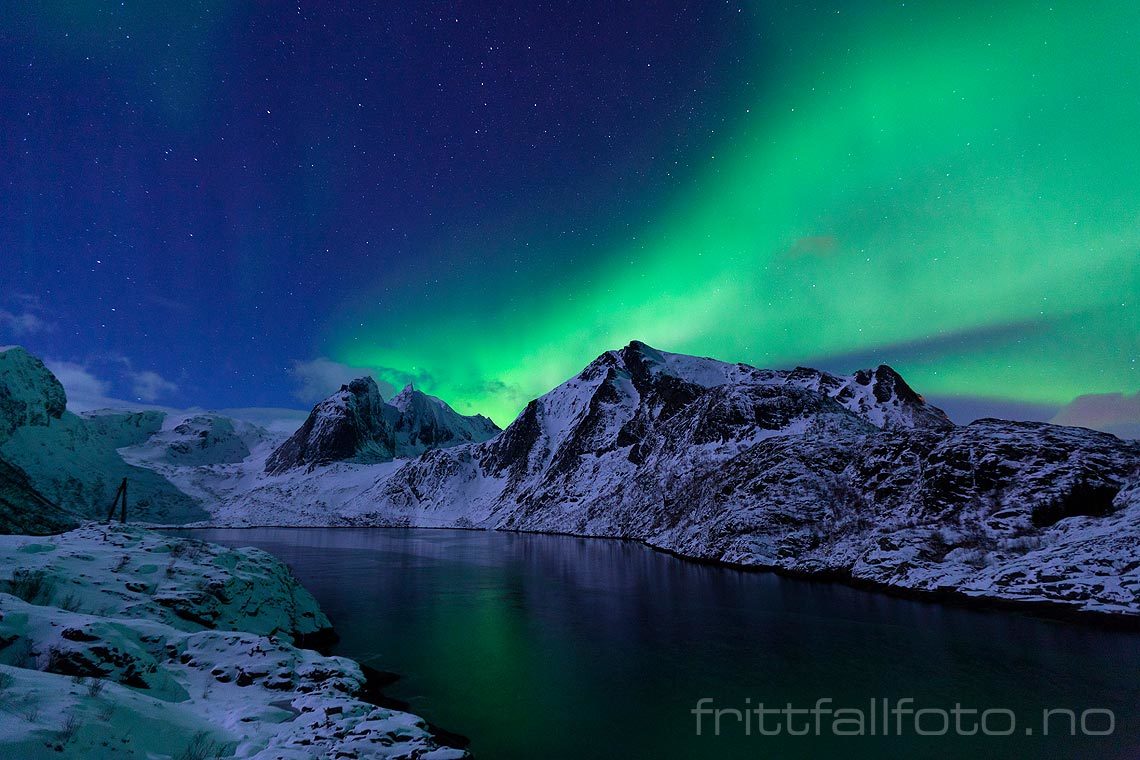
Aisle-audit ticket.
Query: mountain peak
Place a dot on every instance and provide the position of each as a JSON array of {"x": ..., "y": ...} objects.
[
  {"x": 356, "y": 424},
  {"x": 361, "y": 386}
]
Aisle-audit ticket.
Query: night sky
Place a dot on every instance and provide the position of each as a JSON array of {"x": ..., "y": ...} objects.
[{"x": 243, "y": 204}]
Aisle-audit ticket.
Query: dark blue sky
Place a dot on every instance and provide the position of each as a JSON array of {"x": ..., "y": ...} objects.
[{"x": 196, "y": 189}]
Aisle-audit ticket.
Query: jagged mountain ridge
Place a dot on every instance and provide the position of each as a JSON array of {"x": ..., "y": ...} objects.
[
  {"x": 800, "y": 470},
  {"x": 630, "y": 406},
  {"x": 355, "y": 424}
]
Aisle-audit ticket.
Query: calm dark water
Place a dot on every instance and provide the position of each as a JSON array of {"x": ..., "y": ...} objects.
[{"x": 555, "y": 647}]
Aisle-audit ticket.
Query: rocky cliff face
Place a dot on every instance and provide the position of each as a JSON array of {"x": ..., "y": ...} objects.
[
  {"x": 356, "y": 425},
  {"x": 29, "y": 395},
  {"x": 803, "y": 471},
  {"x": 352, "y": 424}
]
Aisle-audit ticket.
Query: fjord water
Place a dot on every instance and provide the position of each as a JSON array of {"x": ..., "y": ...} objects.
[{"x": 559, "y": 647}]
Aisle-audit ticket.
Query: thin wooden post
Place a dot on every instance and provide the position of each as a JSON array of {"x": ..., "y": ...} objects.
[{"x": 121, "y": 493}]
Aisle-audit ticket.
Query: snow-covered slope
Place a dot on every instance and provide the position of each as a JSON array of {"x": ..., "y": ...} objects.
[
  {"x": 356, "y": 425},
  {"x": 23, "y": 509},
  {"x": 55, "y": 465},
  {"x": 117, "y": 642},
  {"x": 201, "y": 439}
]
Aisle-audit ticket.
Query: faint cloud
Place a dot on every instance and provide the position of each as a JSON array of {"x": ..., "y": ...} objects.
[
  {"x": 168, "y": 303},
  {"x": 820, "y": 246},
  {"x": 23, "y": 323},
  {"x": 84, "y": 390},
  {"x": 1115, "y": 413},
  {"x": 321, "y": 377},
  {"x": 87, "y": 389},
  {"x": 150, "y": 386},
  {"x": 965, "y": 409},
  {"x": 23, "y": 315}
]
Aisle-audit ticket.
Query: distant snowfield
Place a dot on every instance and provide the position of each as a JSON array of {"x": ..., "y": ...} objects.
[{"x": 119, "y": 642}]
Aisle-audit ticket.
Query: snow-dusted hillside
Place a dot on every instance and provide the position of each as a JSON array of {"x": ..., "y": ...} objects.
[
  {"x": 117, "y": 642},
  {"x": 23, "y": 509},
  {"x": 73, "y": 460},
  {"x": 201, "y": 439}
]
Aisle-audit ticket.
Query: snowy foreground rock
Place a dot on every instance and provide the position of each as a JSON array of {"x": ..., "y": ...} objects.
[{"x": 120, "y": 642}]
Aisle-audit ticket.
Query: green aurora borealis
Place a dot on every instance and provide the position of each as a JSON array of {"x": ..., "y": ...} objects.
[{"x": 955, "y": 192}]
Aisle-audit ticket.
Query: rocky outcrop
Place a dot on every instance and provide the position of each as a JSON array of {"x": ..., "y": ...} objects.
[
  {"x": 352, "y": 424},
  {"x": 356, "y": 425},
  {"x": 205, "y": 439}
]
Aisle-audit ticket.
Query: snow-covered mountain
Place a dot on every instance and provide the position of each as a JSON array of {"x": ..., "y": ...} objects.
[
  {"x": 802, "y": 471},
  {"x": 643, "y": 412},
  {"x": 355, "y": 424},
  {"x": 427, "y": 422},
  {"x": 202, "y": 439}
]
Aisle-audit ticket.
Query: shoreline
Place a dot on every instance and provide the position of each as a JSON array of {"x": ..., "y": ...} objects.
[{"x": 1038, "y": 609}]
